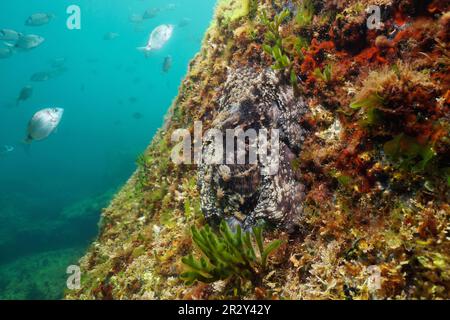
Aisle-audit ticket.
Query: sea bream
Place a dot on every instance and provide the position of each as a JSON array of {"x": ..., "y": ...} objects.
[
  {"x": 43, "y": 123},
  {"x": 6, "y": 52},
  {"x": 158, "y": 38},
  {"x": 40, "y": 76},
  {"x": 27, "y": 42},
  {"x": 39, "y": 19},
  {"x": 110, "y": 36},
  {"x": 25, "y": 94},
  {"x": 9, "y": 35}
]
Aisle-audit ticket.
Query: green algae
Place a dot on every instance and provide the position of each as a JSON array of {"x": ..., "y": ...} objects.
[{"x": 228, "y": 255}]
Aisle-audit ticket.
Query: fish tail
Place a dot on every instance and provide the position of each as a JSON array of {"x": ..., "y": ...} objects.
[
  {"x": 142, "y": 49},
  {"x": 28, "y": 139},
  {"x": 146, "y": 50}
]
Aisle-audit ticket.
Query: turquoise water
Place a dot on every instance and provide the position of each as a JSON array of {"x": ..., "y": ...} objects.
[{"x": 114, "y": 100}]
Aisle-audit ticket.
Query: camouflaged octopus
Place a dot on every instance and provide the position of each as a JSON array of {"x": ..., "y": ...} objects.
[{"x": 241, "y": 193}]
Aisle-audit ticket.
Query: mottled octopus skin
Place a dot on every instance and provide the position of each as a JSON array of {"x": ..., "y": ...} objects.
[{"x": 254, "y": 99}]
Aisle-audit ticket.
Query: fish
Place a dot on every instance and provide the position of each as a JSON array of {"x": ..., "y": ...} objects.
[
  {"x": 171, "y": 7},
  {"x": 184, "y": 22},
  {"x": 110, "y": 36},
  {"x": 167, "y": 63},
  {"x": 56, "y": 72},
  {"x": 9, "y": 35},
  {"x": 39, "y": 19},
  {"x": 25, "y": 94},
  {"x": 150, "y": 13},
  {"x": 158, "y": 38},
  {"x": 40, "y": 76},
  {"x": 47, "y": 75},
  {"x": 4, "y": 150},
  {"x": 6, "y": 52},
  {"x": 135, "y": 18},
  {"x": 133, "y": 99},
  {"x": 138, "y": 115},
  {"x": 58, "y": 62},
  {"x": 43, "y": 123},
  {"x": 27, "y": 42}
]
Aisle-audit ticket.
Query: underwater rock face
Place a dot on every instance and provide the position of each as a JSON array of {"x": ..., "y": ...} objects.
[{"x": 256, "y": 100}]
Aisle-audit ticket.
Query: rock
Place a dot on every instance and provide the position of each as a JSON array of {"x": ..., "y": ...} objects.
[{"x": 256, "y": 100}]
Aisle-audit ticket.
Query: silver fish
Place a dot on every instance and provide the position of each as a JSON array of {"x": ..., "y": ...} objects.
[
  {"x": 43, "y": 123},
  {"x": 135, "y": 18},
  {"x": 28, "y": 42},
  {"x": 6, "y": 52},
  {"x": 171, "y": 7},
  {"x": 41, "y": 76},
  {"x": 58, "y": 62},
  {"x": 151, "y": 13},
  {"x": 56, "y": 72},
  {"x": 39, "y": 19},
  {"x": 9, "y": 35},
  {"x": 25, "y": 94},
  {"x": 158, "y": 38},
  {"x": 110, "y": 36},
  {"x": 184, "y": 22}
]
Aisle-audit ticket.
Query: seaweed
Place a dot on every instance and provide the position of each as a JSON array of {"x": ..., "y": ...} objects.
[
  {"x": 305, "y": 13},
  {"x": 273, "y": 44},
  {"x": 373, "y": 100},
  {"x": 408, "y": 153},
  {"x": 325, "y": 75},
  {"x": 228, "y": 255},
  {"x": 282, "y": 61}
]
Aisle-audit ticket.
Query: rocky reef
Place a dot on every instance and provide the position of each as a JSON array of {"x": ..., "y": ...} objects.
[{"x": 360, "y": 200}]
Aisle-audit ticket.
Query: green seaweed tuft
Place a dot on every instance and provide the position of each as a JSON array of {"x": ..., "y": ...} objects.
[
  {"x": 408, "y": 153},
  {"x": 228, "y": 255},
  {"x": 305, "y": 13}
]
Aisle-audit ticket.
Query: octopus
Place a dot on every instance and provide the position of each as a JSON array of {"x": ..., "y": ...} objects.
[{"x": 242, "y": 193}]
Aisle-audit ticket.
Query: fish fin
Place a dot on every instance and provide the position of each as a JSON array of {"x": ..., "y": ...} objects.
[
  {"x": 27, "y": 140},
  {"x": 8, "y": 44},
  {"x": 146, "y": 50}
]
